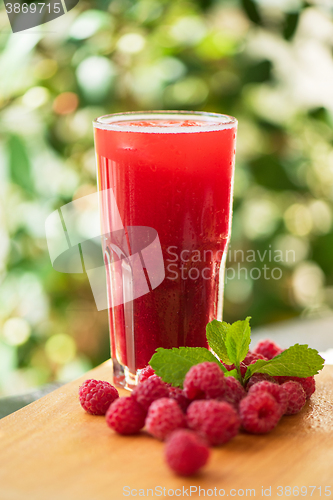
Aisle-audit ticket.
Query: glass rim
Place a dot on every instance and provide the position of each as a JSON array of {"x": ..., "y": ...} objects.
[{"x": 215, "y": 121}]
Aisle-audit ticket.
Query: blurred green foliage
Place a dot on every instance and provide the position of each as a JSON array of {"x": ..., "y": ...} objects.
[{"x": 267, "y": 62}]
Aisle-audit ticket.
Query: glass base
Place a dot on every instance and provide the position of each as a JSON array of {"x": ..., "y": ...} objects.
[{"x": 123, "y": 377}]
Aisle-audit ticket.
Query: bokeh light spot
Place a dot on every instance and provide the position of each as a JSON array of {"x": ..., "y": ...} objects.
[
  {"x": 308, "y": 280},
  {"x": 88, "y": 23},
  {"x": 260, "y": 217},
  {"x": 35, "y": 97},
  {"x": 16, "y": 331},
  {"x": 238, "y": 290},
  {"x": 171, "y": 68},
  {"x": 190, "y": 91},
  {"x": 293, "y": 248},
  {"x": 95, "y": 75},
  {"x": 298, "y": 219},
  {"x": 321, "y": 216},
  {"x": 60, "y": 348},
  {"x": 65, "y": 103},
  {"x": 188, "y": 30},
  {"x": 131, "y": 43},
  {"x": 46, "y": 68}
]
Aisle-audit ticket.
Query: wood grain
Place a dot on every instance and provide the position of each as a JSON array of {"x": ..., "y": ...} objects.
[{"x": 53, "y": 450}]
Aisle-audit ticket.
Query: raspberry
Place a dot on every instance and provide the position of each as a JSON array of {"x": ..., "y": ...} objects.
[
  {"x": 259, "y": 377},
  {"x": 186, "y": 452},
  {"x": 178, "y": 395},
  {"x": 277, "y": 391},
  {"x": 126, "y": 416},
  {"x": 243, "y": 368},
  {"x": 267, "y": 348},
  {"x": 308, "y": 383},
  {"x": 234, "y": 391},
  {"x": 250, "y": 360},
  {"x": 228, "y": 367},
  {"x": 145, "y": 373},
  {"x": 148, "y": 391},
  {"x": 205, "y": 380},
  {"x": 216, "y": 421},
  {"x": 281, "y": 379},
  {"x": 259, "y": 412},
  {"x": 252, "y": 356},
  {"x": 296, "y": 397},
  {"x": 164, "y": 416},
  {"x": 96, "y": 396}
]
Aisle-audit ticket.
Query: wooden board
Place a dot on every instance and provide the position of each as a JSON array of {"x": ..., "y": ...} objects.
[{"x": 53, "y": 450}]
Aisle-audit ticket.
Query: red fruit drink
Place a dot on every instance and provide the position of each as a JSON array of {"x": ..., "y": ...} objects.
[{"x": 172, "y": 172}]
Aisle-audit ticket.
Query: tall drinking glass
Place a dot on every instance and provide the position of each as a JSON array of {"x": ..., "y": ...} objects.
[{"x": 165, "y": 181}]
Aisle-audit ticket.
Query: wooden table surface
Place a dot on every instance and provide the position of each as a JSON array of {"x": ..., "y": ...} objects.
[{"x": 53, "y": 450}]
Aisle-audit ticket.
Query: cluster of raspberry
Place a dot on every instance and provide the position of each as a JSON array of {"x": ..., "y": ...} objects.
[{"x": 210, "y": 410}]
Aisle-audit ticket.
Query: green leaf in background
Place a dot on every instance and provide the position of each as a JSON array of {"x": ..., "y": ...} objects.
[
  {"x": 297, "y": 361},
  {"x": 290, "y": 24},
  {"x": 269, "y": 172},
  {"x": 19, "y": 163},
  {"x": 173, "y": 364},
  {"x": 252, "y": 12},
  {"x": 258, "y": 72},
  {"x": 215, "y": 334},
  {"x": 237, "y": 340}
]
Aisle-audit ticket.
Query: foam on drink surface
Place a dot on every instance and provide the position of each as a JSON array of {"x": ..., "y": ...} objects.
[
  {"x": 165, "y": 123},
  {"x": 169, "y": 125}
]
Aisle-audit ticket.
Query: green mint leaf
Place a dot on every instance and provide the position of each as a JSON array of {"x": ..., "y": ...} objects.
[
  {"x": 173, "y": 364},
  {"x": 216, "y": 333},
  {"x": 297, "y": 361},
  {"x": 237, "y": 340}
]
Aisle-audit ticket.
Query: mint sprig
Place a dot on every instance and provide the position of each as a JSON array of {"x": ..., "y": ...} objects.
[
  {"x": 231, "y": 343},
  {"x": 297, "y": 361},
  {"x": 173, "y": 364}
]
